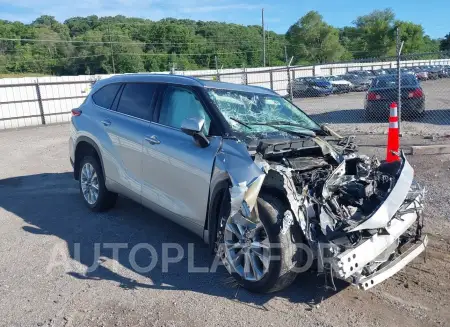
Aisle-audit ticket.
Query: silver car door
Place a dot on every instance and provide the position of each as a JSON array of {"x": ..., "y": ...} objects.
[
  {"x": 176, "y": 171},
  {"x": 127, "y": 128}
]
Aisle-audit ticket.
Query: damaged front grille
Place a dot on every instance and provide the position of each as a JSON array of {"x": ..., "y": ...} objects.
[{"x": 342, "y": 198}]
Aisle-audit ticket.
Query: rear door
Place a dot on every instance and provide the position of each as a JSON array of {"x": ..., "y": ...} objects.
[
  {"x": 127, "y": 128},
  {"x": 176, "y": 171}
]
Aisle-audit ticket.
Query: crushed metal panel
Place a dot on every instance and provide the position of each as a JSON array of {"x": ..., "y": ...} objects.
[
  {"x": 395, "y": 266},
  {"x": 392, "y": 203}
]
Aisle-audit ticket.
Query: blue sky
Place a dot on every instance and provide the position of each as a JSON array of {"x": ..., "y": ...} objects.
[{"x": 434, "y": 15}]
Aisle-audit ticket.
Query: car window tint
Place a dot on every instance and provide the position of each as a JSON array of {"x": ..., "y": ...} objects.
[
  {"x": 105, "y": 96},
  {"x": 179, "y": 104},
  {"x": 136, "y": 100},
  {"x": 391, "y": 81}
]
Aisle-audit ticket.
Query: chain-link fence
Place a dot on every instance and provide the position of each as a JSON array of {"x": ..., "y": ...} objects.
[
  {"x": 355, "y": 97},
  {"x": 352, "y": 97}
]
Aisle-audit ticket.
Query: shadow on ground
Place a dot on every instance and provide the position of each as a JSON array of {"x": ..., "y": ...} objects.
[
  {"x": 357, "y": 116},
  {"x": 52, "y": 205}
]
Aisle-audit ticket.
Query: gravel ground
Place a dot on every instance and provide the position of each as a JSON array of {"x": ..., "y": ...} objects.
[
  {"x": 42, "y": 216},
  {"x": 346, "y": 112}
]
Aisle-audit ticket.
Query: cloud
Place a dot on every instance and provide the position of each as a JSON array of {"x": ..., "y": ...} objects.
[{"x": 205, "y": 9}]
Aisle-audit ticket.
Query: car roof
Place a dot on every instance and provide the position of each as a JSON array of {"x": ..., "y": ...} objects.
[
  {"x": 236, "y": 87},
  {"x": 181, "y": 80},
  {"x": 390, "y": 76}
]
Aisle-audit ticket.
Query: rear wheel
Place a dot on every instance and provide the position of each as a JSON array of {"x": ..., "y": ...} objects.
[
  {"x": 92, "y": 186},
  {"x": 257, "y": 251}
]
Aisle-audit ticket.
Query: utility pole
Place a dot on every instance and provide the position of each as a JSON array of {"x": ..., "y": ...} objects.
[
  {"x": 399, "y": 81},
  {"x": 285, "y": 54},
  {"x": 112, "y": 51},
  {"x": 173, "y": 67},
  {"x": 264, "y": 38},
  {"x": 268, "y": 48},
  {"x": 217, "y": 68}
]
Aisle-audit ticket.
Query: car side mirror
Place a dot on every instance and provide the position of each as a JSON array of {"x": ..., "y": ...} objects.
[{"x": 193, "y": 126}]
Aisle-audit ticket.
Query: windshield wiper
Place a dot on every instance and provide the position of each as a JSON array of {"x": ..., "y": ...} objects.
[
  {"x": 276, "y": 124},
  {"x": 240, "y": 122}
]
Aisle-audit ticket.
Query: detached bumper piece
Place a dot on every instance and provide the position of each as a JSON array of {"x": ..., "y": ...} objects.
[
  {"x": 394, "y": 266},
  {"x": 382, "y": 250}
]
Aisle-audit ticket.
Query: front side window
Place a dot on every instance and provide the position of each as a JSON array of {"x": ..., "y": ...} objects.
[
  {"x": 180, "y": 103},
  {"x": 136, "y": 100},
  {"x": 105, "y": 96}
]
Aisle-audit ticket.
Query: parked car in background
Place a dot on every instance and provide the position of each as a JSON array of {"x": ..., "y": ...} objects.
[
  {"x": 443, "y": 72},
  {"x": 359, "y": 83},
  {"x": 378, "y": 72},
  {"x": 339, "y": 84},
  {"x": 433, "y": 72},
  {"x": 391, "y": 71},
  {"x": 384, "y": 91},
  {"x": 420, "y": 73},
  {"x": 366, "y": 74},
  {"x": 407, "y": 70},
  {"x": 310, "y": 87}
]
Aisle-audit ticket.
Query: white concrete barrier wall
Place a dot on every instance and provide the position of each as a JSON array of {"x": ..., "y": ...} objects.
[{"x": 21, "y": 98}]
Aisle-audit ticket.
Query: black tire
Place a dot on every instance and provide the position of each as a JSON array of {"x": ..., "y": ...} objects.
[
  {"x": 280, "y": 273},
  {"x": 106, "y": 199}
]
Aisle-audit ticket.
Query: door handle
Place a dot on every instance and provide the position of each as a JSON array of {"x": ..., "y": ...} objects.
[
  {"x": 106, "y": 122},
  {"x": 152, "y": 139}
]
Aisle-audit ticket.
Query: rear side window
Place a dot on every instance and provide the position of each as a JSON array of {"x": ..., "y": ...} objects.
[
  {"x": 105, "y": 96},
  {"x": 136, "y": 100}
]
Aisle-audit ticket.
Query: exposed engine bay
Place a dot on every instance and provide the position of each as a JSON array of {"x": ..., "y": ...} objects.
[{"x": 361, "y": 217}]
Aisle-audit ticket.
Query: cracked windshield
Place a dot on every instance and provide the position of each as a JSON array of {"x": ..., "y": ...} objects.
[{"x": 244, "y": 111}]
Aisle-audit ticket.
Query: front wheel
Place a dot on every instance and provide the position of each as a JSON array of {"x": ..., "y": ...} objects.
[{"x": 261, "y": 252}]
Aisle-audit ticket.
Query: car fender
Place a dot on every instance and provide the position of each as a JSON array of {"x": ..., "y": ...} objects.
[
  {"x": 88, "y": 138},
  {"x": 236, "y": 172}
]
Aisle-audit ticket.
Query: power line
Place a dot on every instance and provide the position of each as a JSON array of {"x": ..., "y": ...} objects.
[
  {"x": 115, "y": 42},
  {"x": 47, "y": 60},
  {"x": 188, "y": 54},
  {"x": 61, "y": 58},
  {"x": 264, "y": 37}
]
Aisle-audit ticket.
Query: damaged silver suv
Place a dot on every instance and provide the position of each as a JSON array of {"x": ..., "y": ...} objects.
[{"x": 251, "y": 174}]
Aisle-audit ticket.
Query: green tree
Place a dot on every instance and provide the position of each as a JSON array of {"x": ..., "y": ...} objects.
[
  {"x": 312, "y": 40},
  {"x": 413, "y": 37},
  {"x": 82, "y": 45},
  {"x": 376, "y": 32},
  {"x": 445, "y": 43}
]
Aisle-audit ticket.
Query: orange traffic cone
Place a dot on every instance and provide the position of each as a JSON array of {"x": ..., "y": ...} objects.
[{"x": 393, "y": 145}]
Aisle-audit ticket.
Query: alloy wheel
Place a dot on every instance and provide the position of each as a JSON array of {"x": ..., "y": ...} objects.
[
  {"x": 247, "y": 247},
  {"x": 89, "y": 183}
]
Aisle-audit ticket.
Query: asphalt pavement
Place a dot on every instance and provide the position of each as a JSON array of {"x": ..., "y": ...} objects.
[{"x": 48, "y": 240}]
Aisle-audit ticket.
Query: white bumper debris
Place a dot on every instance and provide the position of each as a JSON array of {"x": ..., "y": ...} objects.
[
  {"x": 394, "y": 266},
  {"x": 353, "y": 261}
]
